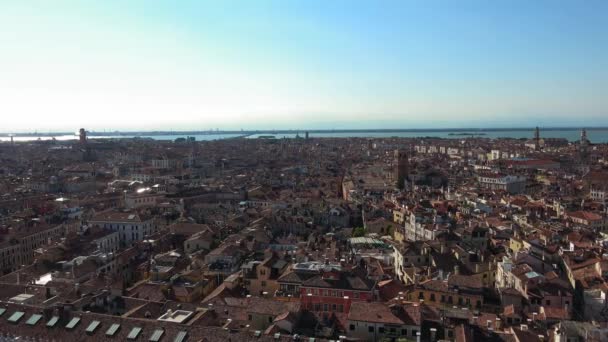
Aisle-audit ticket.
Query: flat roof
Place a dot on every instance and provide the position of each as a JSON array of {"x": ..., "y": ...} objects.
[{"x": 177, "y": 316}]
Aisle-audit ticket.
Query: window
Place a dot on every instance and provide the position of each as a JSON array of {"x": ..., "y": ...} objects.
[
  {"x": 414, "y": 332},
  {"x": 403, "y": 332},
  {"x": 356, "y": 294},
  {"x": 381, "y": 330},
  {"x": 333, "y": 307},
  {"x": 270, "y": 319},
  {"x": 249, "y": 317},
  {"x": 324, "y": 307},
  {"x": 317, "y": 307},
  {"x": 432, "y": 297},
  {"x": 263, "y": 283},
  {"x": 341, "y": 308},
  {"x": 370, "y": 329},
  {"x": 352, "y": 327}
]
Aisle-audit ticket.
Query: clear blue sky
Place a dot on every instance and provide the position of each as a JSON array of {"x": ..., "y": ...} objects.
[{"x": 302, "y": 64}]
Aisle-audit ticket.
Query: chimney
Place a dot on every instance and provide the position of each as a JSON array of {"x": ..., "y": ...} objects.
[
  {"x": 498, "y": 324},
  {"x": 456, "y": 270},
  {"x": 418, "y": 336}
]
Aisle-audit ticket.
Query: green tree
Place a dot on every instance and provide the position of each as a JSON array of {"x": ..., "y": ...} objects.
[{"x": 358, "y": 232}]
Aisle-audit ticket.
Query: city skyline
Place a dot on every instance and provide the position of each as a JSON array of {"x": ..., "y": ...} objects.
[{"x": 292, "y": 65}]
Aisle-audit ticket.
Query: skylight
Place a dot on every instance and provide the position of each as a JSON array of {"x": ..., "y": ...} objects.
[
  {"x": 51, "y": 323},
  {"x": 181, "y": 336},
  {"x": 73, "y": 323},
  {"x": 134, "y": 333},
  {"x": 34, "y": 319},
  {"x": 113, "y": 329},
  {"x": 16, "y": 317},
  {"x": 158, "y": 333},
  {"x": 91, "y": 328}
]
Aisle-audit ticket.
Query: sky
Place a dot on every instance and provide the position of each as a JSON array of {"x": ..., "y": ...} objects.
[{"x": 291, "y": 64}]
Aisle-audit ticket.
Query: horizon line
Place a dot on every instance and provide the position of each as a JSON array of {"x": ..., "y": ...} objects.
[{"x": 304, "y": 130}]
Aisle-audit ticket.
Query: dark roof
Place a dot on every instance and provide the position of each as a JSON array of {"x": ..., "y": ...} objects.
[
  {"x": 344, "y": 280},
  {"x": 78, "y": 333}
]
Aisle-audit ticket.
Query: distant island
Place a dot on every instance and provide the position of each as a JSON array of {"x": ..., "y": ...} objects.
[{"x": 467, "y": 133}]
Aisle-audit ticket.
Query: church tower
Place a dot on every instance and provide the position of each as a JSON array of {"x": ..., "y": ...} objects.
[
  {"x": 401, "y": 168},
  {"x": 583, "y": 145}
]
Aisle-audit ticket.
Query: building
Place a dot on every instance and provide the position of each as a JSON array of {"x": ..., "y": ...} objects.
[
  {"x": 335, "y": 290},
  {"x": 83, "y": 136},
  {"x": 381, "y": 322},
  {"x": 19, "y": 249},
  {"x": 497, "y": 181},
  {"x": 401, "y": 168},
  {"x": 132, "y": 226},
  {"x": 588, "y": 219},
  {"x": 598, "y": 194},
  {"x": 261, "y": 277}
]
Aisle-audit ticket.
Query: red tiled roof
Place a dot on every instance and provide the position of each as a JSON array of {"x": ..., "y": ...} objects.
[{"x": 372, "y": 312}]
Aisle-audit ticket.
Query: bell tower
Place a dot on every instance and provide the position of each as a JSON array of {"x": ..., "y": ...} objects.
[{"x": 401, "y": 168}]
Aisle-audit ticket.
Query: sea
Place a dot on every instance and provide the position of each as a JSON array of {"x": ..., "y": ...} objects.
[{"x": 594, "y": 135}]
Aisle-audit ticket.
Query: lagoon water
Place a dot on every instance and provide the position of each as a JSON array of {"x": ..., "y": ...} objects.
[{"x": 594, "y": 135}]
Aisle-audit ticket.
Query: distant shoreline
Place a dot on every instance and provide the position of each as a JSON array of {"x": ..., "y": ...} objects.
[
  {"x": 451, "y": 131},
  {"x": 467, "y": 134}
]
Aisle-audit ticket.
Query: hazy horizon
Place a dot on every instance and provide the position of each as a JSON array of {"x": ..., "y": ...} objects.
[
  {"x": 312, "y": 129},
  {"x": 161, "y": 65}
]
